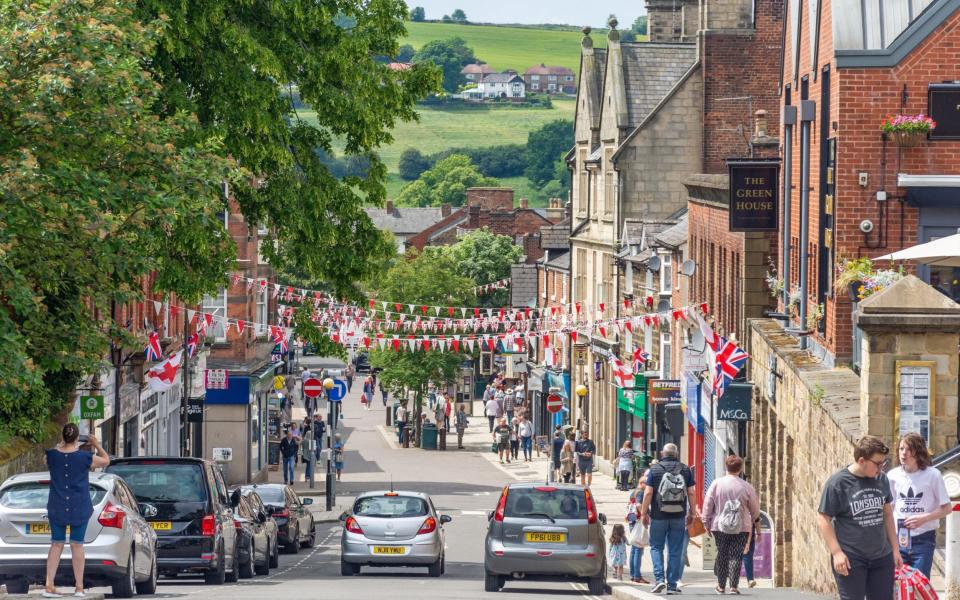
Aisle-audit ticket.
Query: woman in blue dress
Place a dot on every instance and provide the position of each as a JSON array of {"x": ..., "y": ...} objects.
[{"x": 69, "y": 504}]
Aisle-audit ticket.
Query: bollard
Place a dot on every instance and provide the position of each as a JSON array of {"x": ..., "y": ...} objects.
[
  {"x": 442, "y": 442},
  {"x": 952, "y": 561},
  {"x": 406, "y": 437},
  {"x": 389, "y": 412}
]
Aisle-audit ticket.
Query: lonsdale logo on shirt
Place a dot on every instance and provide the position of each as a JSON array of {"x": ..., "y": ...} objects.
[
  {"x": 910, "y": 503},
  {"x": 861, "y": 505}
]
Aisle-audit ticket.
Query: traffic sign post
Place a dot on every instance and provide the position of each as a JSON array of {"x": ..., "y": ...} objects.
[
  {"x": 554, "y": 403},
  {"x": 338, "y": 391},
  {"x": 312, "y": 387}
]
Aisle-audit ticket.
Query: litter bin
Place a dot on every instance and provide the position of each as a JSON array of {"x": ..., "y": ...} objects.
[{"x": 428, "y": 437}]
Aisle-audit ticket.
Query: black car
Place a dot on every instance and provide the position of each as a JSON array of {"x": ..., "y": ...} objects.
[
  {"x": 294, "y": 520},
  {"x": 361, "y": 362},
  {"x": 252, "y": 538},
  {"x": 194, "y": 521},
  {"x": 269, "y": 524}
]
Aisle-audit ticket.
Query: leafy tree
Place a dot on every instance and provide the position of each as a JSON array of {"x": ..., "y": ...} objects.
[
  {"x": 628, "y": 35},
  {"x": 459, "y": 16},
  {"x": 446, "y": 19},
  {"x": 417, "y": 14},
  {"x": 486, "y": 257},
  {"x": 451, "y": 55},
  {"x": 96, "y": 193},
  {"x": 412, "y": 164},
  {"x": 405, "y": 54},
  {"x": 445, "y": 183},
  {"x": 639, "y": 26},
  {"x": 506, "y": 160},
  {"x": 228, "y": 64},
  {"x": 544, "y": 145}
]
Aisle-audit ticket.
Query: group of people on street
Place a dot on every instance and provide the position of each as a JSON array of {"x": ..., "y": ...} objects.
[
  {"x": 306, "y": 444},
  {"x": 502, "y": 402},
  {"x": 510, "y": 437}
]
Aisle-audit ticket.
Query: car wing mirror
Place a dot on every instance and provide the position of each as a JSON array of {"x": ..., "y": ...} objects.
[
  {"x": 343, "y": 516},
  {"x": 445, "y": 518},
  {"x": 602, "y": 518},
  {"x": 307, "y": 501},
  {"x": 148, "y": 510},
  {"x": 489, "y": 515},
  {"x": 235, "y": 498}
]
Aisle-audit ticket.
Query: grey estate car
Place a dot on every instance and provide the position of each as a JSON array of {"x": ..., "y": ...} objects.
[{"x": 549, "y": 532}]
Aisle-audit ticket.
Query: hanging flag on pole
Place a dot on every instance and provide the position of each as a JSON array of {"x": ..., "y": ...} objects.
[
  {"x": 730, "y": 359},
  {"x": 153, "y": 350},
  {"x": 640, "y": 358},
  {"x": 621, "y": 373},
  {"x": 163, "y": 376},
  {"x": 192, "y": 342}
]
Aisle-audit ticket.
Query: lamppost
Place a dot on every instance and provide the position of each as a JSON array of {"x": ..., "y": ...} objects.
[
  {"x": 582, "y": 392},
  {"x": 329, "y": 483}
]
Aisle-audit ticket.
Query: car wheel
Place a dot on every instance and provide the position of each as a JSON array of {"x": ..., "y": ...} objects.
[
  {"x": 234, "y": 575},
  {"x": 126, "y": 586},
  {"x": 17, "y": 586},
  {"x": 294, "y": 546},
  {"x": 275, "y": 556},
  {"x": 348, "y": 569},
  {"x": 264, "y": 569},
  {"x": 492, "y": 583},
  {"x": 149, "y": 586},
  {"x": 312, "y": 538},
  {"x": 597, "y": 586},
  {"x": 218, "y": 575},
  {"x": 443, "y": 564},
  {"x": 247, "y": 568}
]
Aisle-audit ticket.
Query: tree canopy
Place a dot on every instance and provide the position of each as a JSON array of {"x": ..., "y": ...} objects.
[
  {"x": 417, "y": 14},
  {"x": 545, "y": 146},
  {"x": 484, "y": 257},
  {"x": 459, "y": 16},
  {"x": 451, "y": 55},
  {"x": 444, "y": 183}
]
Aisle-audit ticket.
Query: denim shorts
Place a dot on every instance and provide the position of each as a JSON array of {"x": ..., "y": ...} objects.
[{"x": 58, "y": 533}]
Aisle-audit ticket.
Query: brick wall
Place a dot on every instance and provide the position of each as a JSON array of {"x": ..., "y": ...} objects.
[{"x": 490, "y": 198}]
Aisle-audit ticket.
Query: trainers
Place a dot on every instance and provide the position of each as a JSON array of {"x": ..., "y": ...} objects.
[
  {"x": 673, "y": 591},
  {"x": 658, "y": 587}
]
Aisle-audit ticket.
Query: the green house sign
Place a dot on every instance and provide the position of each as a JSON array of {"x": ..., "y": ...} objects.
[{"x": 91, "y": 407}]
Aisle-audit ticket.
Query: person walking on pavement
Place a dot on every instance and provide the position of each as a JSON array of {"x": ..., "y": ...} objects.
[
  {"x": 492, "y": 410},
  {"x": 462, "y": 423},
  {"x": 920, "y": 500},
  {"x": 447, "y": 410},
  {"x": 307, "y": 453},
  {"x": 401, "y": 421},
  {"x": 749, "y": 552},
  {"x": 857, "y": 524},
  {"x": 68, "y": 502},
  {"x": 501, "y": 435},
  {"x": 555, "y": 454},
  {"x": 624, "y": 465},
  {"x": 509, "y": 406},
  {"x": 568, "y": 458},
  {"x": 514, "y": 439},
  {"x": 338, "y": 449},
  {"x": 367, "y": 397},
  {"x": 730, "y": 507},
  {"x": 525, "y": 429},
  {"x": 348, "y": 373},
  {"x": 618, "y": 550},
  {"x": 319, "y": 431},
  {"x": 439, "y": 413},
  {"x": 383, "y": 394},
  {"x": 669, "y": 506},
  {"x": 289, "y": 447},
  {"x": 633, "y": 518},
  {"x": 585, "y": 449}
]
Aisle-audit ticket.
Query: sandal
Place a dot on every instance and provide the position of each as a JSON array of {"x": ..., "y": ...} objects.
[
  {"x": 735, "y": 591},
  {"x": 720, "y": 590}
]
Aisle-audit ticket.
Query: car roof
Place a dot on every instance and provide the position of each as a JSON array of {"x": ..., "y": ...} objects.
[
  {"x": 256, "y": 486},
  {"x": 162, "y": 459},
  {"x": 404, "y": 493},
  {"x": 95, "y": 477},
  {"x": 536, "y": 484}
]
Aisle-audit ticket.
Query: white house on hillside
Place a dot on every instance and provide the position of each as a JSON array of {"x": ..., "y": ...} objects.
[{"x": 501, "y": 85}]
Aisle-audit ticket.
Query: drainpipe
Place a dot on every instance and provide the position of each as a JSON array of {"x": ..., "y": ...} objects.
[
  {"x": 807, "y": 111},
  {"x": 789, "y": 120}
]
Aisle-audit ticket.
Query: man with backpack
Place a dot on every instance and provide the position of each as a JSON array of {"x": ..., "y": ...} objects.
[
  {"x": 729, "y": 509},
  {"x": 669, "y": 505}
]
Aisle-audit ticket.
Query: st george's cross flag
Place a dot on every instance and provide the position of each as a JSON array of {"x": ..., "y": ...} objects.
[
  {"x": 153, "y": 350},
  {"x": 163, "y": 376},
  {"x": 621, "y": 373}
]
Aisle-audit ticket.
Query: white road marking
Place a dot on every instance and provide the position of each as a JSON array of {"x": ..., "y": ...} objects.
[{"x": 473, "y": 512}]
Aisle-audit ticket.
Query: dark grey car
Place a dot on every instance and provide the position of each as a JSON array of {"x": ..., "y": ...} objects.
[{"x": 545, "y": 533}]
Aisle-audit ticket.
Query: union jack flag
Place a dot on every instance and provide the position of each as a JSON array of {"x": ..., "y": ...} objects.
[
  {"x": 730, "y": 359},
  {"x": 192, "y": 343},
  {"x": 153, "y": 350},
  {"x": 279, "y": 337},
  {"x": 640, "y": 358}
]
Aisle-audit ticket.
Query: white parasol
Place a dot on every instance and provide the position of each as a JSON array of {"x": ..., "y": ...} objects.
[{"x": 944, "y": 252}]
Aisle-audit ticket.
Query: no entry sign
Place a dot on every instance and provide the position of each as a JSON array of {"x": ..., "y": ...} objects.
[
  {"x": 312, "y": 387},
  {"x": 554, "y": 403}
]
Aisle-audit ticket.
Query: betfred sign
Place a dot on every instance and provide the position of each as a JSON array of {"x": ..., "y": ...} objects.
[{"x": 753, "y": 195}]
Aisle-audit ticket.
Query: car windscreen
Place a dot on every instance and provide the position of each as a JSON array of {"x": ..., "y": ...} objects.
[
  {"x": 546, "y": 502},
  {"x": 269, "y": 495},
  {"x": 389, "y": 507},
  {"x": 164, "y": 482},
  {"x": 34, "y": 494}
]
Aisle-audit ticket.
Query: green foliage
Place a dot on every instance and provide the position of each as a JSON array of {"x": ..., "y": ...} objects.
[
  {"x": 450, "y": 55},
  {"x": 458, "y": 16},
  {"x": 485, "y": 257},
  {"x": 230, "y": 62},
  {"x": 445, "y": 183},
  {"x": 417, "y": 14},
  {"x": 546, "y": 146},
  {"x": 507, "y": 160},
  {"x": 412, "y": 164},
  {"x": 639, "y": 26},
  {"x": 405, "y": 53},
  {"x": 96, "y": 193}
]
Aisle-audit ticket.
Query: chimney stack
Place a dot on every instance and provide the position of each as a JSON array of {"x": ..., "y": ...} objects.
[
  {"x": 389, "y": 207},
  {"x": 761, "y": 119},
  {"x": 523, "y": 203},
  {"x": 445, "y": 210}
]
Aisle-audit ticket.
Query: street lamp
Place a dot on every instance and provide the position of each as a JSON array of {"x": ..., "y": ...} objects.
[
  {"x": 328, "y": 385},
  {"x": 582, "y": 390}
]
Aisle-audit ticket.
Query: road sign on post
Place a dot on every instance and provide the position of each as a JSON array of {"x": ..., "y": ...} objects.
[
  {"x": 554, "y": 403},
  {"x": 338, "y": 391},
  {"x": 312, "y": 387}
]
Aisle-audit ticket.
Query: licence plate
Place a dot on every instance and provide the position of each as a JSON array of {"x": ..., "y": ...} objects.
[
  {"x": 389, "y": 550},
  {"x": 39, "y": 528},
  {"x": 547, "y": 538},
  {"x": 161, "y": 525}
]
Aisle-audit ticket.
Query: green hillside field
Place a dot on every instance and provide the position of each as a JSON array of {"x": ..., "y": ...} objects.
[{"x": 504, "y": 47}]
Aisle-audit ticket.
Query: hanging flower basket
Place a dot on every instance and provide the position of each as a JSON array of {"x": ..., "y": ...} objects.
[{"x": 908, "y": 131}]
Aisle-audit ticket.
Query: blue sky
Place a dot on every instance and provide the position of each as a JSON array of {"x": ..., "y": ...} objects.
[{"x": 569, "y": 12}]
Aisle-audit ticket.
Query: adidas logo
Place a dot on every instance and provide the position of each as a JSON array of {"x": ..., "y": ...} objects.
[{"x": 910, "y": 502}]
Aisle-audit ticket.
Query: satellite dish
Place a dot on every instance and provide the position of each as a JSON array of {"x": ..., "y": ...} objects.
[
  {"x": 688, "y": 268},
  {"x": 663, "y": 306},
  {"x": 653, "y": 264}
]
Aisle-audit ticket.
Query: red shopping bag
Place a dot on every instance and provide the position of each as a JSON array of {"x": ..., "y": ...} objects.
[{"x": 911, "y": 584}]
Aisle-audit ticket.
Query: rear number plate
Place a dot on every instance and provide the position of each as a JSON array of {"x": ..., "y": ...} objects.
[
  {"x": 39, "y": 528},
  {"x": 161, "y": 525},
  {"x": 389, "y": 550},
  {"x": 547, "y": 538}
]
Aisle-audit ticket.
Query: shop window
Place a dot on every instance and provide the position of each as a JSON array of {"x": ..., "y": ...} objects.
[{"x": 217, "y": 306}]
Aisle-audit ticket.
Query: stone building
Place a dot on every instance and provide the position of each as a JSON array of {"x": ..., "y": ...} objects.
[{"x": 404, "y": 222}]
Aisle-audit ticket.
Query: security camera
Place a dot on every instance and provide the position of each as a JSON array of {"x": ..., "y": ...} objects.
[{"x": 866, "y": 225}]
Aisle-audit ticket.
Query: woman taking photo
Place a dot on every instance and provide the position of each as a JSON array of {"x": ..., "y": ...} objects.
[
  {"x": 920, "y": 500},
  {"x": 69, "y": 505}
]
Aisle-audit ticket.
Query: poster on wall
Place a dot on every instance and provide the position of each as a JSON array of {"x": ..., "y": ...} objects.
[
  {"x": 753, "y": 195},
  {"x": 915, "y": 397}
]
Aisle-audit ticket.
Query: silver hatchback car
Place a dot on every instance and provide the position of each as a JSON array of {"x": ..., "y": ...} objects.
[
  {"x": 120, "y": 546},
  {"x": 393, "y": 529},
  {"x": 547, "y": 532}
]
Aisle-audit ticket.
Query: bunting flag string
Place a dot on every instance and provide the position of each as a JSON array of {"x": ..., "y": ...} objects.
[{"x": 491, "y": 287}]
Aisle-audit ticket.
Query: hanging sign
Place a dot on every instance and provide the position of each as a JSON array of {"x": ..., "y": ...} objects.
[
  {"x": 664, "y": 391},
  {"x": 195, "y": 410},
  {"x": 753, "y": 195},
  {"x": 91, "y": 407},
  {"x": 216, "y": 379},
  {"x": 735, "y": 403}
]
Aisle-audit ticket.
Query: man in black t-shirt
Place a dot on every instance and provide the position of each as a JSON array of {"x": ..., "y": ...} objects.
[
  {"x": 289, "y": 446},
  {"x": 669, "y": 505}
]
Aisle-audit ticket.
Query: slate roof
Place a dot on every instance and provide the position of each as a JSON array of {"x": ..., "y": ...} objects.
[
  {"x": 477, "y": 68},
  {"x": 561, "y": 261},
  {"x": 500, "y": 78},
  {"x": 402, "y": 220},
  {"x": 636, "y": 232},
  {"x": 650, "y": 71},
  {"x": 542, "y": 69},
  {"x": 675, "y": 236}
]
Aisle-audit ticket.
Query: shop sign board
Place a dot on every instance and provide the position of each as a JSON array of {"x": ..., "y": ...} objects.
[
  {"x": 91, "y": 407},
  {"x": 753, "y": 195},
  {"x": 195, "y": 410},
  {"x": 216, "y": 379},
  {"x": 735, "y": 403},
  {"x": 664, "y": 391}
]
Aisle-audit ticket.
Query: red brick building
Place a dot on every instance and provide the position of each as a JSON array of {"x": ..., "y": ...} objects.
[
  {"x": 868, "y": 196},
  {"x": 550, "y": 80}
]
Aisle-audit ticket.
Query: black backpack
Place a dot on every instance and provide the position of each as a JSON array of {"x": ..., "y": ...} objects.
[{"x": 672, "y": 491}]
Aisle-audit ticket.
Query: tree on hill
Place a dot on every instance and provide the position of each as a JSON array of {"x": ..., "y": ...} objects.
[
  {"x": 486, "y": 257},
  {"x": 451, "y": 55},
  {"x": 405, "y": 54},
  {"x": 544, "y": 146},
  {"x": 445, "y": 183},
  {"x": 446, "y": 19},
  {"x": 459, "y": 16},
  {"x": 418, "y": 15},
  {"x": 412, "y": 164},
  {"x": 639, "y": 26}
]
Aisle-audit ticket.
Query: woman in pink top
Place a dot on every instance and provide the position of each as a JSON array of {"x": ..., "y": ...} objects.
[{"x": 726, "y": 495}]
